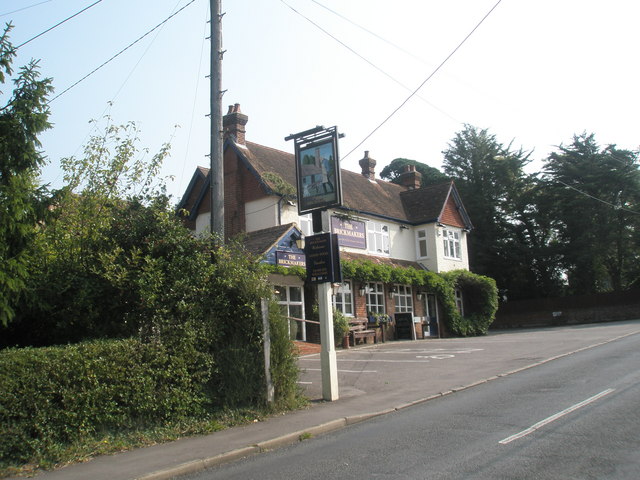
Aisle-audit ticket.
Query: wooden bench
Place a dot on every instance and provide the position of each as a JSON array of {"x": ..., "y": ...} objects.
[{"x": 358, "y": 331}]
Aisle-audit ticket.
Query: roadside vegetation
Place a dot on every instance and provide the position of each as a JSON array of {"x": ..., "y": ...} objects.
[
  {"x": 571, "y": 227},
  {"x": 118, "y": 328}
]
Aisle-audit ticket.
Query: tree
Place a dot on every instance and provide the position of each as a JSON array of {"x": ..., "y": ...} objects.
[
  {"x": 430, "y": 175},
  {"x": 595, "y": 194},
  {"x": 511, "y": 241},
  {"x": 110, "y": 211},
  {"x": 23, "y": 117}
]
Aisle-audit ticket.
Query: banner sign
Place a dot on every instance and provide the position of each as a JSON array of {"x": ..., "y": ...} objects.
[
  {"x": 323, "y": 258},
  {"x": 317, "y": 169},
  {"x": 289, "y": 259},
  {"x": 351, "y": 233}
]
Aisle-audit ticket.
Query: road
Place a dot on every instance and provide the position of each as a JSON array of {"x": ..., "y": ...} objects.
[{"x": 574, "y": 417}]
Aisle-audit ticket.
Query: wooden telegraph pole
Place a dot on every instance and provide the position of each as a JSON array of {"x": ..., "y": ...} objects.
[{"x": 216, "y": 154}]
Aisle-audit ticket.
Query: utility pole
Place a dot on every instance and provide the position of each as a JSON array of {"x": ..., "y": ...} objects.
[{"x": 216, "y": 154}]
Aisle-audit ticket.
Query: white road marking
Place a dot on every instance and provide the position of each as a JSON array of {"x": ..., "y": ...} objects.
[
  {"x": 442, "y": 356},
  {"x": 371, "y": 360},
  {"x": 342, "y": 371},
  {"x": 552, "y": 418}
]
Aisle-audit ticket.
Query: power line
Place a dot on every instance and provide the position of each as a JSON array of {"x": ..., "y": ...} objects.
[
  {"x": 388, "y": 42},
  {"x": 121, "y": 51},
  {"x": 23, "y": 8},
  {"x": 57, "y": 24},
  {"x": 425, "y": 80},
  {"x": 391, "y": 77},
  {"x": 617, "y": 207}
]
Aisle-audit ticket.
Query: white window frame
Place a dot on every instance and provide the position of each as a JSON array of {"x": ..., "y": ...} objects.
[
  {"x": 306, "y": 224},
  {"x": 421, "y": 241},
  {"x": 403, "y": 298},
  {"x": 374, "y": 292},
  {"x": 343, "y": 299},
  {"x": 452, "y": 245},
  {"x": 378, "y": 238},
  {"x": 285, "y": 301}
]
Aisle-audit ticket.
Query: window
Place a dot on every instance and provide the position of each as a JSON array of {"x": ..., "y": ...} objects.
[
  {"x": 459, "y": 303},
  {"x": 421, "y": 243},
  {"x": 378, "y": 238},
  {"x": 375, "y": 297},
  {"x": 403, "y": 298},
  {"x": 291, "y": 305},
  {"x": 451, "y": 243},
  {"x": 305, "y": 224},
  {"x": 343, "y": 299}
]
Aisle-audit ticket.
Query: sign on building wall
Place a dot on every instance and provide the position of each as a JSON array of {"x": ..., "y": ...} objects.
[
  {"x": 351, "y": 233},
  {"x": 317, "y": 169},
  {"x": 290, "y": 259}
]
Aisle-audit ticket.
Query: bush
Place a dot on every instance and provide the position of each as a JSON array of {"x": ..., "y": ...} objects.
[
  {"x": 55, "y": 396},
  {"x": 480, "y": 296}
]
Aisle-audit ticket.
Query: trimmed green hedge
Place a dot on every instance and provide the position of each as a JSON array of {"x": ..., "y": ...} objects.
[{"x": 55, "y": 396}]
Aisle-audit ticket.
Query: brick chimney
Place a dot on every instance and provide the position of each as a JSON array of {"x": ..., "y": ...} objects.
[
  {"x": 368, "y": 166},
  {"x": 233, "y": 123},
  {"x": 410, "y": 177}
]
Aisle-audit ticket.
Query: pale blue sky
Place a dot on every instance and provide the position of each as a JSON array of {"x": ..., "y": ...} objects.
[{"x": 536, "y": 72}]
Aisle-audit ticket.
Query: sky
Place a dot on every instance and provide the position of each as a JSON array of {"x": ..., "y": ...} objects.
[{"x": 534, "y": 73}]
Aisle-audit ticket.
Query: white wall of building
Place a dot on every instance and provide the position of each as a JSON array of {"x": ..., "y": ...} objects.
[
  {"x": 203, "y": 223},
  {"x": 261, "y": 213},
  {"x": 447, "y": 264}
]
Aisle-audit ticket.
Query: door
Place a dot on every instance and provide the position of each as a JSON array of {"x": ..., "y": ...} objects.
[{"x": 432, "y": 314}]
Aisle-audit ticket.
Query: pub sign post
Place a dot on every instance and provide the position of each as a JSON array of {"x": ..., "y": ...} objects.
[{"x": 319, "y": 187}]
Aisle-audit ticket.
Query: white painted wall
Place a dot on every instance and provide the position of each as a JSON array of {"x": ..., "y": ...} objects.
[
  {"x": 447, "y": 264},
  {"x": 261, "y": 213},
  {"x": 203, "y": 222}
]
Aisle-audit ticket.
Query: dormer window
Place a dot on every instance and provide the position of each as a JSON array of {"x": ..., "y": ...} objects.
[{"x": 378, "y": 238}]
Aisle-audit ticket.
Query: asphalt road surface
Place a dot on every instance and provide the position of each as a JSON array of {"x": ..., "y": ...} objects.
[{"x": 576, "y": 417}]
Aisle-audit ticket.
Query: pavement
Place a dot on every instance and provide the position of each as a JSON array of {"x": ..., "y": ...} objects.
[{"x": 373, "y": 380}]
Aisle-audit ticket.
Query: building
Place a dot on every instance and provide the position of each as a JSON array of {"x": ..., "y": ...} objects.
[{"x": 401, "y": 225}]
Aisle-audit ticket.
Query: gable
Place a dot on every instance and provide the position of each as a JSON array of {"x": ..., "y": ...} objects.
[{"x": 451, "y": 214}]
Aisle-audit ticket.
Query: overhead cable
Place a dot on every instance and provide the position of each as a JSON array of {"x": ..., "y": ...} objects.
[
  {"x": 388, "y": 42},
  {"x": 121, "y": 51},
  {"x": 23, "y": 8},
  {"x": 426, "y": 79},
  {"x": 57, "y": 24},
  {"x": 617, "y": 207},
  {"x": 391, "y": 77}
]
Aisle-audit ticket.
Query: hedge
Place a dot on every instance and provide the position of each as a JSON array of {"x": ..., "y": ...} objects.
[{"x": 55, "y": 396}]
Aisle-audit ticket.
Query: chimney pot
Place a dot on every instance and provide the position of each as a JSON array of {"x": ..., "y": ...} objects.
[
  {"x": 234, "y": 122},
  {"x": 368, "y": 166},
  {"x": 410, "y": 177}
]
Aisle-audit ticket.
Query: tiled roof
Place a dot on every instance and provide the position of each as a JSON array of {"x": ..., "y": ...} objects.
[
  {"x": 260, "y": 241},
  {"x": 425, "y": 204},
  {"x": 360, "y": 195}
]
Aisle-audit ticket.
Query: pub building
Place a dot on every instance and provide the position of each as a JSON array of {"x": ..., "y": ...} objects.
[{"x": 402, "y": 225}]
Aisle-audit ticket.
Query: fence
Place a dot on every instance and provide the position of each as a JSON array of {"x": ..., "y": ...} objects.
[{"x": 593, "y": 308}]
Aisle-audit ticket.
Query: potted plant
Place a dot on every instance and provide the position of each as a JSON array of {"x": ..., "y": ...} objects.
[{"x": 340, "y": 329}]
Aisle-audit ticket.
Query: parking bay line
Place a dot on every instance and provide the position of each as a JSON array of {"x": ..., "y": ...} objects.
[{"x": 552, "y": 418}]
